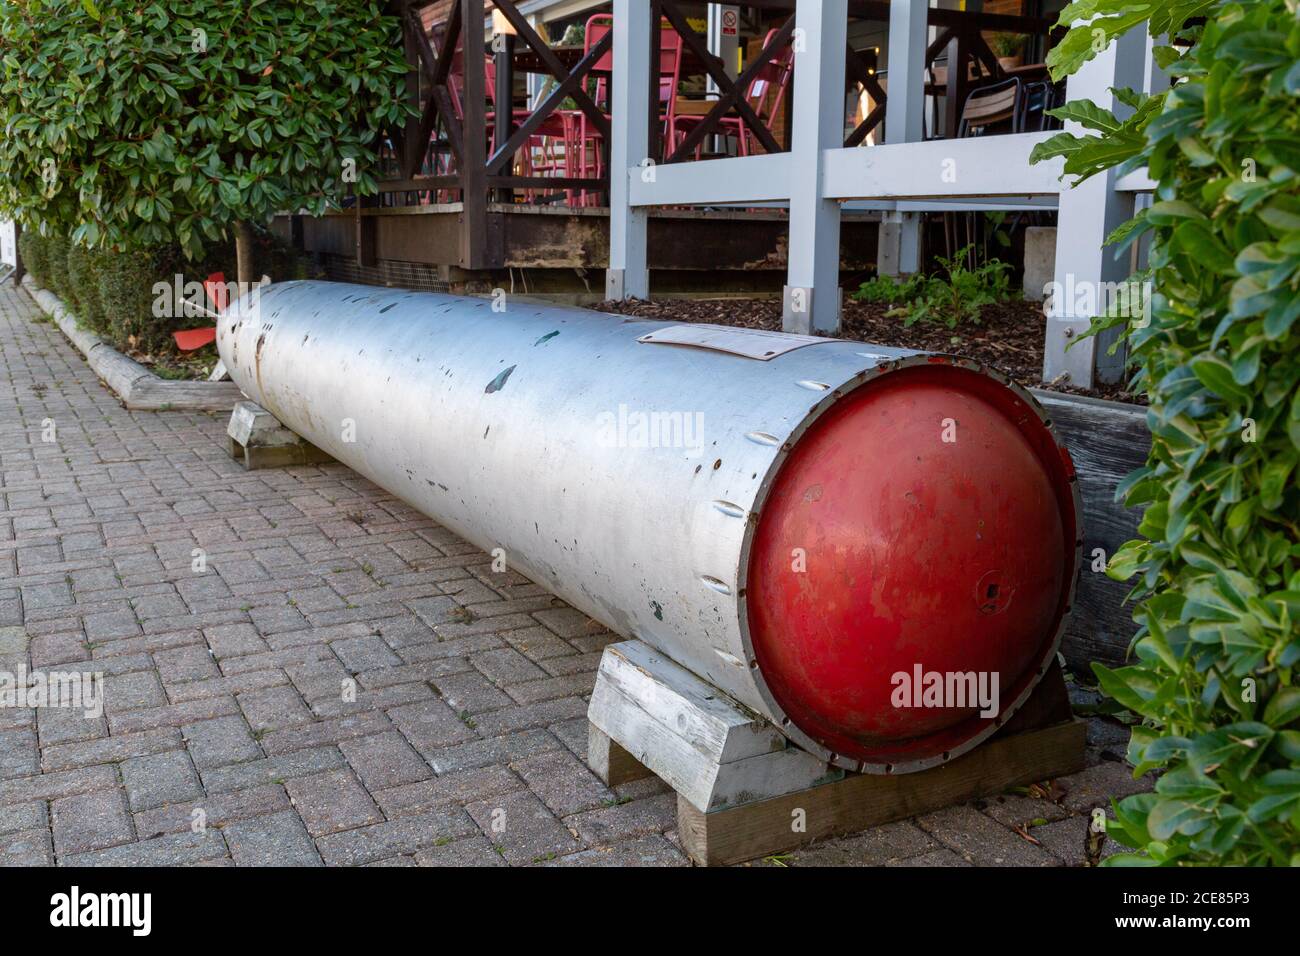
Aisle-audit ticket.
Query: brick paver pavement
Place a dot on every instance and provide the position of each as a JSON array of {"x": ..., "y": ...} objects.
[{"x": 227, "y": 736}]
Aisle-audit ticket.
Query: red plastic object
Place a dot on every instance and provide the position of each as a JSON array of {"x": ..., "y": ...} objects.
[
  {"x": 215, "y": 286},
  {"x": 191, "y": 339},
  {"x": 954, "y": 556}
]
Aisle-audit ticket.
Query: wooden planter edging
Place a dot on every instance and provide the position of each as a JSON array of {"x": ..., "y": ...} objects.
[
  {"x": 137, "y": 387},
  {"x": 1107, "y": 440}
]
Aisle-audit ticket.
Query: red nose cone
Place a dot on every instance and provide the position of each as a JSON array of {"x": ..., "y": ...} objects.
[{"x": 923, "y": 526}]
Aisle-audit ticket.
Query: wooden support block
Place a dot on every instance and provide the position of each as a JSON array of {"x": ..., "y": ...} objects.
[
  {"x": 700, "y": 742},
  {"x": 864, "y": 800},
  {"x": 281, "y": 456},
  {"x": 610, "y": 762},
  {"x": 744, "y": 791},
  {"x": 259, "y": 440}
]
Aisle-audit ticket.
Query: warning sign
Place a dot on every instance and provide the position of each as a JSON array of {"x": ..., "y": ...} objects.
[{"x": 730, "y": 22}]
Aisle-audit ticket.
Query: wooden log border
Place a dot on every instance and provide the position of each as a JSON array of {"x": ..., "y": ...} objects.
[{"x": 137, "y": 387}]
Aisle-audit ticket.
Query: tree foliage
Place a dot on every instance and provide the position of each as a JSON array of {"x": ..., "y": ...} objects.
[
  {"x": 137, "y": 124},
  {"x": 1218, "y": 560}
]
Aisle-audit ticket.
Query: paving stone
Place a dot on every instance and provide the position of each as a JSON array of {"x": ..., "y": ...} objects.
[
  {"x": 234, "y": 640},
  {"x": 277, "y": 839},
  {"x": 1095, "y": 786},
  {"x": 382, "y": 840},
  {"x": 110, "y": 625},
  {"x": 300, "y": 763},
  {"x": 225, "y": 740},
  {"x": 465, "y": 786},
  {"x": 939, "y": 857},
  {"x": 471, "y": 693},
  {"x": 51, "y": 786},
  {"x": 137, "y": 691},
  {"x": 365, "y": 653},
  {"x": 569, "y": 623},
  {"x": 878, "y": 846},
  {"x": 1067, "y": 840},
  {"x": 159, "y": 779},
  {"x": 19, "y": 754},
  {"x": 110, "y": 749},
  {"x": 175, "y": 850},
  {"x": 211, "y": 811},
  {"x": 25, "y": 816},
  {"x": 330, "y": 731},
  {"x": 62, "y": 725},
  {"x": 226, "y": 686},
  {"x": 484, "y": 753},
  {"x": 536, "y": 691},
  {"x": 90, "y": 821},
  {"x": 185, "y": 664},
  {"x": 514, "y": 719},
  {"x": 564, "y": 784},
  {"x": 506, "y": 665},
  {"x": 173, "y": 715},
  {"x": 54, "y": 650},
  {"x": 473, "y": 850},
  {"x": 539, "y": 645},
  {"x": 26, "y": 848},
  {"x": 1015, "y": 810},
  {"x": 980, "y": 840},
  {"x": 609, "y": 824},
  {"x": 651, "y": 850},
  {"x": 384, "y": 760},
  {"x": 574, "y": 733},
  {"x": 523, "y": 829},
  {"x": 330, "y": 802},
  {"x": 431, "y": 726},
  {"x": 273, "y": 708}
]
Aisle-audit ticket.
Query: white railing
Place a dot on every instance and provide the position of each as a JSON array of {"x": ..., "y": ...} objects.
[{"x": 819, "y": 176}]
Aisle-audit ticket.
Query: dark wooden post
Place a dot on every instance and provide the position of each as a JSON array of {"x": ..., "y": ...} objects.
[
  {"x": 503, "y": 56},
  {"x": 411, "y": 147},
  {"x": 958, "y": 66},
  {"x": 20, "y": 270},
  {"x": 473, "y": 172}
]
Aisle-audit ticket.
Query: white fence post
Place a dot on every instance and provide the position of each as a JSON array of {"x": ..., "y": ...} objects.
[
  {"x": 898, "y": 249},
  {"x": 628, "y": 275},
  {"x": 812, "y": 295},
  {"x": 1086, "y": 271}
]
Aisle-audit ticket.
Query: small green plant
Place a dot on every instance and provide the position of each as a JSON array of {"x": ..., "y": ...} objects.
[
  {"x": 957, "y": 296},
  {"x": 1006, "y": 44},
  {"x": 1216, "y": 655}
]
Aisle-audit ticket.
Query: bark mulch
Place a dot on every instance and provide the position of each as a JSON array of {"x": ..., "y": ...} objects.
[{"x": 1009, "y": 336}]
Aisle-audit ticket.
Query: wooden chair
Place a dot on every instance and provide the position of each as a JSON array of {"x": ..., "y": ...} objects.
[{"x": 996, "y": 108}]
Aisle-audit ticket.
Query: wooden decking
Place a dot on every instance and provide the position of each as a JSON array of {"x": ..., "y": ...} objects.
[{"x": 708, "y": 250}]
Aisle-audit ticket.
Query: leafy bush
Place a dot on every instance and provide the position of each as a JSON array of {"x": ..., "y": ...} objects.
[
  {"x": 83, "y": 278},
  {"x": 31, "y": 246},
  {"x": 960, "y": 296},
  {"x": 126, "y": 281},
  {"x": 1218, "y": 560},
  {"x": 56, "y": 266},
  {"x": 139, "y": 125}
]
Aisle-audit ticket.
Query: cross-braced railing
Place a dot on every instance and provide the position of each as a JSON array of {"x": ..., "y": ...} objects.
[{"x": 455, "y": 149}]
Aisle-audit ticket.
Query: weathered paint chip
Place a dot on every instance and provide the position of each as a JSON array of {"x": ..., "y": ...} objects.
[{"x": 499, "y": 382}]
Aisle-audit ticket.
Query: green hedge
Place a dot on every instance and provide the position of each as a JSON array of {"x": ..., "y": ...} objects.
[
  {"x": 56, "y": 268},
  {"x": 1215, "y": 674},
  {"x": 83, "y": 278},
  {"x": 112, "y": 293},
  {"x": 31, "y": 246}
]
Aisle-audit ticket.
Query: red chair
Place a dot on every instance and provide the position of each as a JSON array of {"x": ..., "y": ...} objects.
[
  {"x": 766, "y": 94},
  {"x": 586, "y": 139},
  {"x": 546, "y": 151}
]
